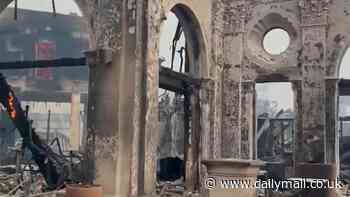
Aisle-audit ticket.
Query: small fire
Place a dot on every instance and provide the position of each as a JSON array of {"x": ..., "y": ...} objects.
[{"x": 11, "y": 106}]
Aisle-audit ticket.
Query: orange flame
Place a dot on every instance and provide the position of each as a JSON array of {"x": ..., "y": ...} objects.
[{"x": 11, "y": 109}]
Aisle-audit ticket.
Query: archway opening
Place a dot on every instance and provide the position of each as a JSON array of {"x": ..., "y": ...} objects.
[
  {"x": 174, "y": 130},
  {"x": 343, "y": 115},
  {"x": 179, "y": 58},
  {"x": 275, "y": 127},
  {"x": 172, "y": 48}
]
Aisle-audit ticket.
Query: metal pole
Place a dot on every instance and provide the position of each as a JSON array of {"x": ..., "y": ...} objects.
[
  {"x": 48, "y": 127},
  {"x": 54, "y": 8},
  {"x": 16, "y": 9},
  {"x": 19, "y": 154},
  {"x": 187, "y": 127},
  {"x": 62, "y": 62},
  {"x": 341, "y": 132}
]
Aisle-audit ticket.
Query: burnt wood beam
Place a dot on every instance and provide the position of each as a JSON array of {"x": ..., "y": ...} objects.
[
  {"x": 175, "y": 81},
  {"x": 277, "y": 119},
  {"x": 42, "y": 96},
  {"x": 62, "y": 62}
]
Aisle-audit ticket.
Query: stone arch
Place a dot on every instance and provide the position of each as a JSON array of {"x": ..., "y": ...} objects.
[
  {"x": 340, "y": 60},
  {"x": 341, "y": 45},
  {"x": 338, "y": 39},
  {"x": 198, "y": 69},
  {"x": 194, "y": 38}
]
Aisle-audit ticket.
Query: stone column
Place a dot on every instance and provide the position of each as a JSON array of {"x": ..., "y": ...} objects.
[
  {"x": 102, "y": 119},
  {"x": 248, "y": 120},
  {"x": 218, "y": 7},
  {"x": 298, "y": 122},
  {"x": 313, "y": 65},
  {"x": 231, "y": 88},
  {"x": 194, "y": 160},
  {"x": 151, "y": 136},
  {"x": 313, "y": 113},
  {"x": 332, "y": 138},
  {"x": 137, "y": 103},
  {"x": 120, "y": 107},
  {"x": 218, "y": 115},
  {"x": 74, "y": 137},
  {"x": 231, "y": 133},
  {"x": 236, "y": 136},
  {"x": 207, "y": 94},
  {"x": 207, "y": 118}
]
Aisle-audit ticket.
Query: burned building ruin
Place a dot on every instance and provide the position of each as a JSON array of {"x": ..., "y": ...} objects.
[{"x": 151, "y": 121}]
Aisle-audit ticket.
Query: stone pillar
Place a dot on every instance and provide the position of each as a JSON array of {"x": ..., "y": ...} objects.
[
  {"x": 217, "y": 70},
  {"x": 194, "y": 160},
  {"x": 150, "y": 142},
  {"x": 102, "y": 119},
  {"x": 231, "y": 87},
  {"x": 217, "y": 130},
  {"x": 207, "y": 93},
  {"x": 298, "y": 122},
  {"x": 248, "y": 120},
  {"x": 231, "y": 133},
  {"x": 237, "y": 124},
  {"x": 313, "y": 65},
  {"x": 74, "y": 137},
  {"x": 136, "y": 86},
  {"x": 313, "y": 114},
  {"x": 116, "y": 116},
  {"x": 207, "y": 136},
  {"x": 332, "y": 138}
]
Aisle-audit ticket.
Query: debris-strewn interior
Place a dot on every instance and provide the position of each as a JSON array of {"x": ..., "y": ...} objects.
[{"x": 187, "y": 98}]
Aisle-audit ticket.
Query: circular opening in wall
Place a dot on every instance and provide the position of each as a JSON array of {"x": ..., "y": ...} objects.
[{"x": 276, "y": 41}]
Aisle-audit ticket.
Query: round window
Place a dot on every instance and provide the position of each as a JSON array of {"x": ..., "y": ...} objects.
[{"x": 276, "y": 41}]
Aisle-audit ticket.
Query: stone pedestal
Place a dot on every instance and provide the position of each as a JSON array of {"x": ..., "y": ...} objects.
[
  {"x": 327, "y": 173},
  {"x": 231, "y": 170}
]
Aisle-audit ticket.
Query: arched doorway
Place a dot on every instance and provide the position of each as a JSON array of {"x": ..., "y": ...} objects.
[
  {"x": 181, "y": 64},
  {"x": 343, "y": 116}
]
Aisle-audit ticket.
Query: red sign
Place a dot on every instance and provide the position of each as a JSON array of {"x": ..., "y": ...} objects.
[{"x": 44, "y": 50}]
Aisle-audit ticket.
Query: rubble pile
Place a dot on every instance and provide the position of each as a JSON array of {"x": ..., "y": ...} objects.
[
  {"x": 344, "y": 191},
  {"x": 23, "y": 184},
  {"x": 7, "y": 183}
]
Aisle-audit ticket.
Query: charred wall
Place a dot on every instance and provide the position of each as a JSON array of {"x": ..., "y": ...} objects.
[{"x": 231, "y": 62}]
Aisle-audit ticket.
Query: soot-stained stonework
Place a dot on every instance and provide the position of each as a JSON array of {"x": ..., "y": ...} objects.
[{"x": 233, "y": 62}]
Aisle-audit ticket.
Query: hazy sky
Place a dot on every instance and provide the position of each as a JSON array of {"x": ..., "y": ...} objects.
[
  {"x": 168, "y": 29},
  {"x": 269, "y": 42},
  {"x": 62, "y": 6},
  {"x": 275, "y": 43},
  {"x": 280, "y": 92},
  {"x": 344, "y": 66}
]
